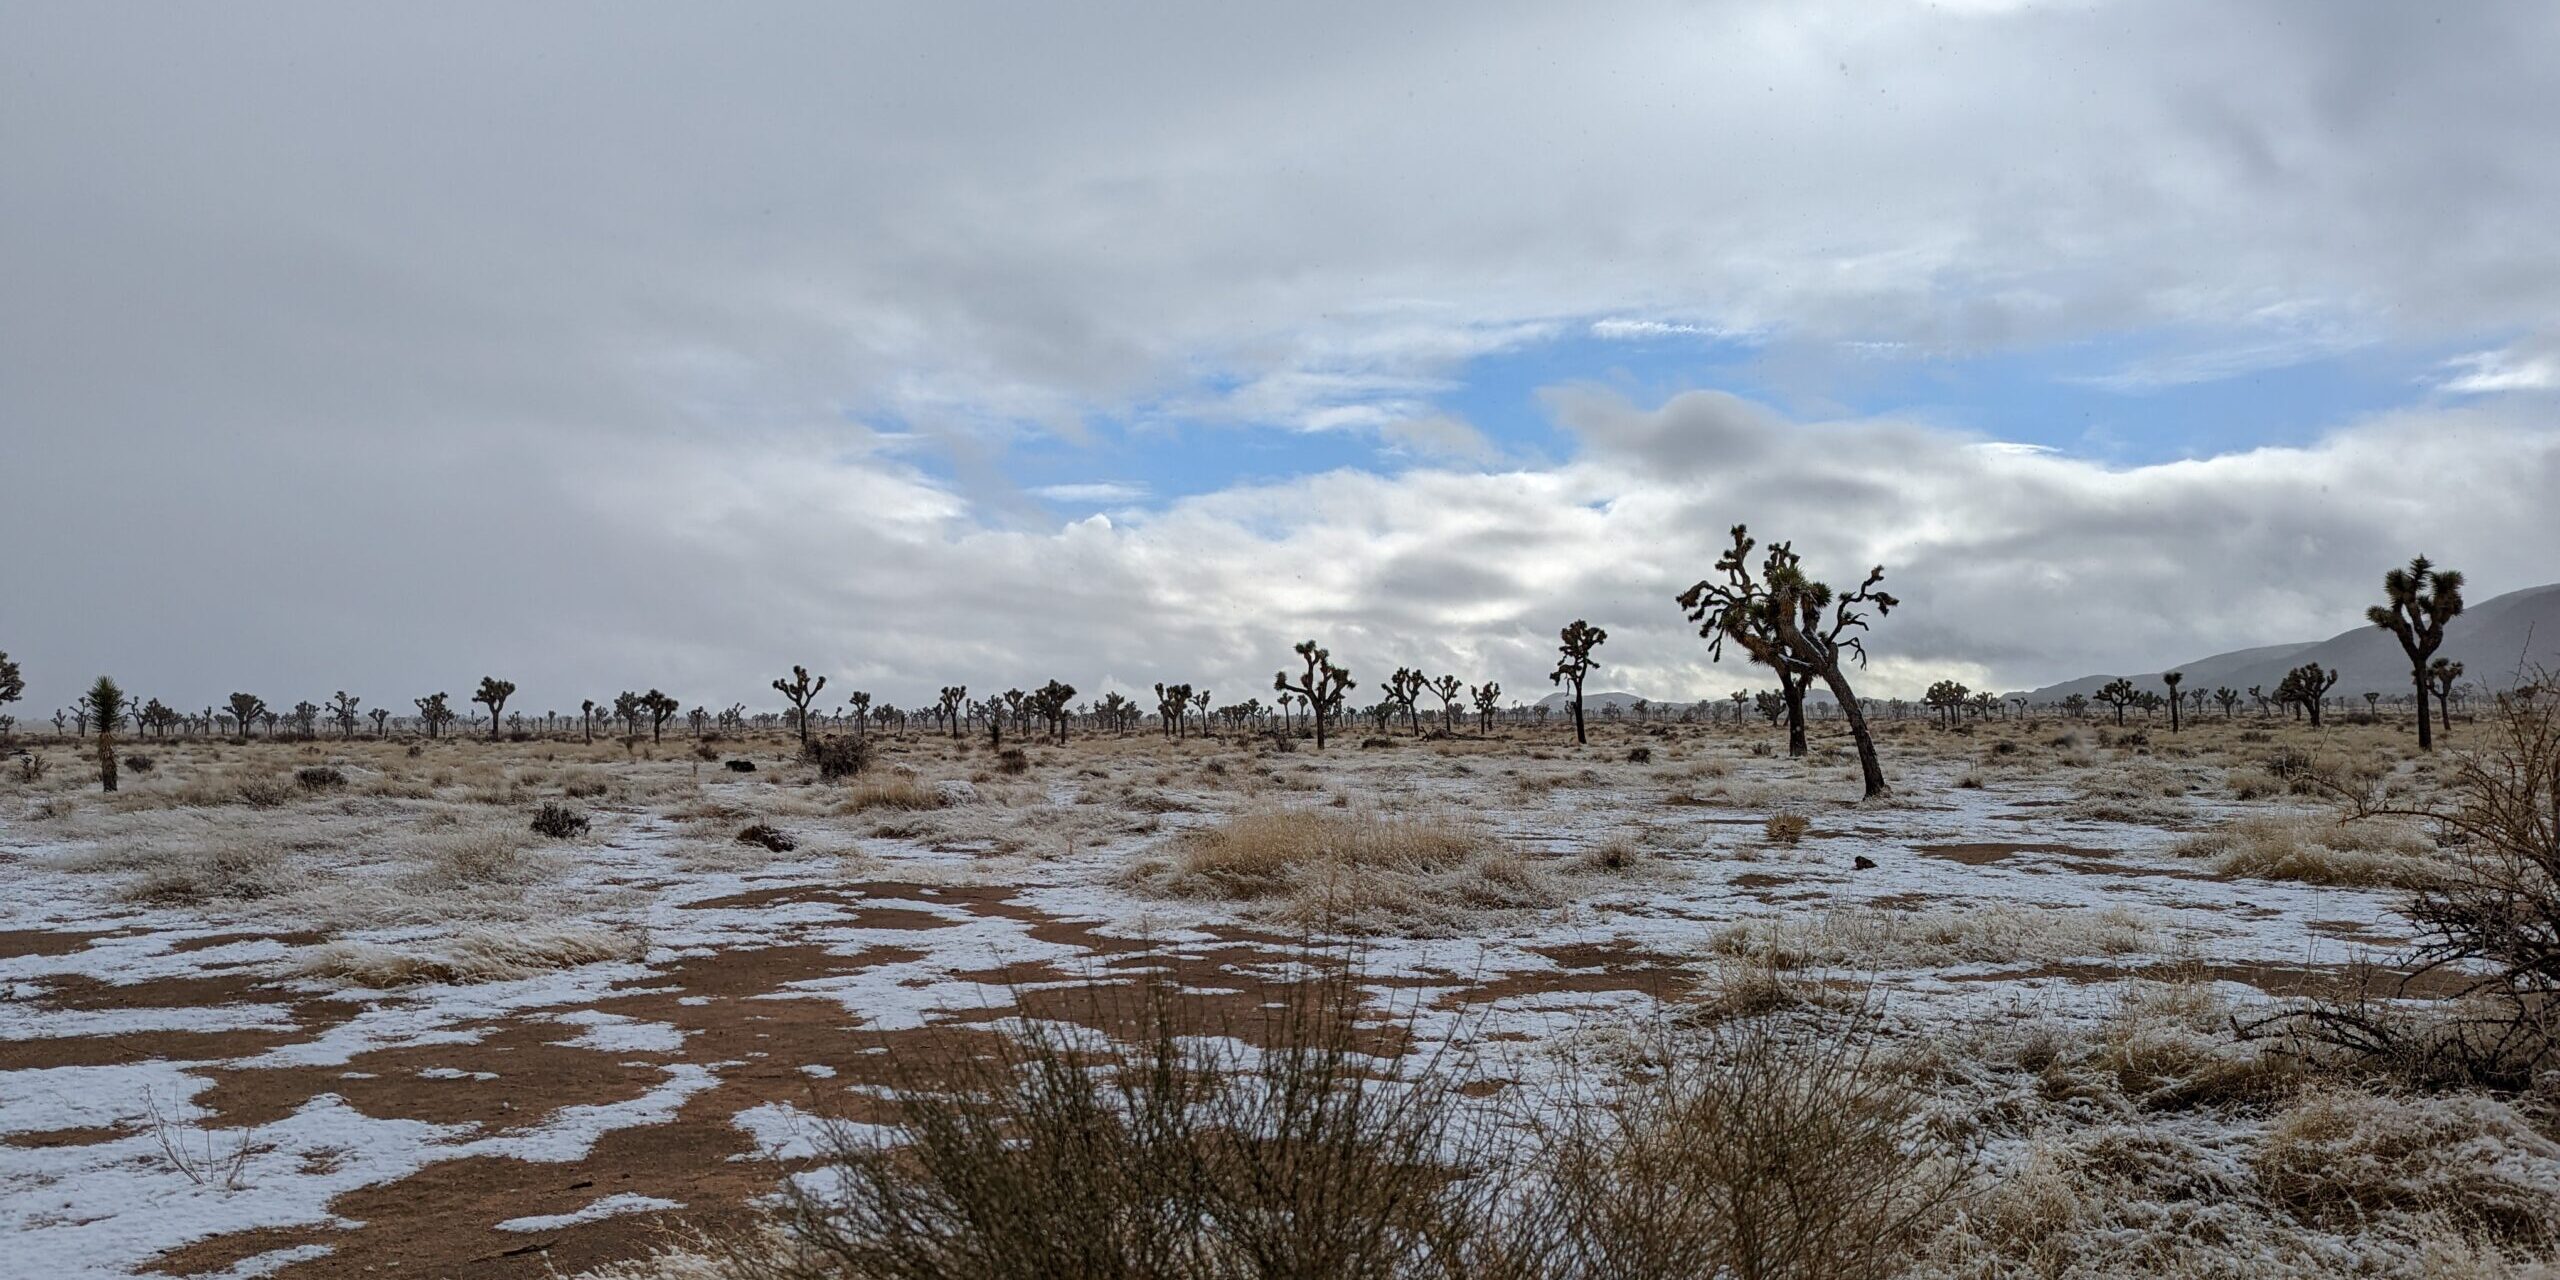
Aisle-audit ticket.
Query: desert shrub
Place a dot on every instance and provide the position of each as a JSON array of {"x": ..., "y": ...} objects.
[
  {"x": 2316, "y": 850},
  {"x": 31, "y": 767},
  {"x": 1012, "y": 761},
  {"x": 894, "y": 791},
  {"x": 2253, "y": 783},
  {"x": 1376, "y": 744},
  {"x": 484, "y": 954},
  {"x": 1991, "y": 933},
  {"x": 320, "y": 777},
  {"x": 1768, "y": 1147},
  {"x": 263, "y": 793},
  {"x": 768, "y": 836},
  {"x": 223, "y": 873},
  {"x": 840, "y": 757},
  {"x": 2336, "y": 1159},
  {"x": 1786, "y": 829},
  {"x": 137, "y": 763},
  {"x": 740, "y": 766},
  {"x": 1640, "y": 755},
  {"x": 476, "y": 857},
  {"x": 1353, "y": 869},
  {"x": 559, "y": 821}
]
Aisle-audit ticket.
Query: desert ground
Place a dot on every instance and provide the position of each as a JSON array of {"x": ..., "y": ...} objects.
[{"x": 336, "y": 1008}]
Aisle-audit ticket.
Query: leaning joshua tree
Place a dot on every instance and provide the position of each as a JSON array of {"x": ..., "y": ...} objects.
[
  {"x": 493, "y": 694},
  {"x": 2417, "y": 602},
  {"x": 1322, "y": 686},
  {"x": 800, "y": 690},
  {"x": 105, "y": 704},
  {"x": 2173, "y": 679},
  {"x": 1813, "y": 627},
  {"x": 1575, "y": 662}
]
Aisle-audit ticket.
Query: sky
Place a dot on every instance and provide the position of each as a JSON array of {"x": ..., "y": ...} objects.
[{"x": 625, "y": 345}]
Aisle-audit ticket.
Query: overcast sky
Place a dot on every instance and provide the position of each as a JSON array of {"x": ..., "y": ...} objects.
[{"x": 625, "y": 345}]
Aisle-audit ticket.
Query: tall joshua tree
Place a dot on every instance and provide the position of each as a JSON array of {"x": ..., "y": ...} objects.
[
  {"x": 661, "y": 709},
  {"x": 1814, "y": 625},
  {"x": 2173, "y": 679},
  {"x": 1322, "y": 686},
  {"x": 342, "y": 708},
  {"x": 955, "y": 697},
  {"x": 1488, "y": 698},
  {"x": 2417, "y": 602},
  {"x": 2228, "y": 697},
  {"x": 380, "y": 716},
  {"x": 2307, "y": 687},
  {"x": 493, "y": 694},
  {"x": 1449, "y": 689},
  {"x": 105, "y": 703},
  {"x": 1574, "y": 663},
  {"x": 800, "y": 690},
  {"x": 2444, "y": 672},
  {"x": 860, "y": 705},
  {"x": 1402, "y": 689},
  {"x": 587, "y": 709},
  {"x": 433, "y": 712}
]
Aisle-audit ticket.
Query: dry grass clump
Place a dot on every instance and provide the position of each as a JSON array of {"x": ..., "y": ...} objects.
[
  {"x": 485, "y": 954},
  {"x": 902, "y": 791},
  {"x": 477, "y": 856},
  {"x": 230, "y": 871},
  {"x": 1351, "y": 869},
  {"x": 2339, "y": 1158},
  {"x": 2140, "y": 793},
  {"x": 1786, "y": 829},
  {"x": 2317, "y": 850},
  {"x": 1995, "y": 933}
]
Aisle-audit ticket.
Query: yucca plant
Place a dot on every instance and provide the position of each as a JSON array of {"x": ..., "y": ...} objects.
[{"x": 105, "y": 702}]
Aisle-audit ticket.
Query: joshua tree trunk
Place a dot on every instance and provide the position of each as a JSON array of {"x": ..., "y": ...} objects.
[
  {"x": 1579, "y": 737},
  {"x": 1791, "y": 688},
  {"x": 1868, "y": 764}
]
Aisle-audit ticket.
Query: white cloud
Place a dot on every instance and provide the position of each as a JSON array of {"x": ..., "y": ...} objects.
[
  {"x": 1095, "y": 493},
  {"x": 2514, "y": 369}
]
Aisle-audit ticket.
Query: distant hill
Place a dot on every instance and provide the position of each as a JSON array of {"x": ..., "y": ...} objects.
[
  {"x": 2491, "y": 640},
  {"x": 1592, "y": 702}
]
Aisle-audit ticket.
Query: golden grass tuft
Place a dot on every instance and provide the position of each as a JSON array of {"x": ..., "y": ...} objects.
[
  {"x": 1351, "y": 869},
  {"x": 471, "y": 956},
  {"x": 2317, "y": 850}
]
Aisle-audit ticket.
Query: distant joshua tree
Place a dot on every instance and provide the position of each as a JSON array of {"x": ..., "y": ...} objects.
[
  {"x": 381, "y": 716},
  {"x": 860, "y": 705},
  {"x": 1807, "y": 638},
  {"x": 248, "y": 708},
  {"x": 1173, "y": 702},
  {"x": 1575, "y": 663},
  {"x": 661, "y": 709},
  {"x": 1050, "y": 702},
  {"x": 2307, "y": 687},
  {"x": 1947, "y": 698},
  {"x": 800, "y": 690},
  {"x": 13, "y": 682},
  {"x": 2119, "y": 693},
  {"x": 2417, "y": 602},
  {"x": 1200, "y": 704},
  {"x": 1402, "y": 689},
  {"x": 2443, "y": 672},
  {"x": 2173, "y": 679},
  {"x": 627, "y": 709},
  {"x": 433, "y": 712},
  {"x": 106, "y": 704},
  {"x": 1449, "y": 689},
  {"x": 493, "y": 694},
  {"x": 955, "y": 699},
  {"x": 2228, "y": 697},
  {"x": 342, "y": 708},
  {"x": 1322, "y": 686},
  {"x": 1488, "y": 699}
]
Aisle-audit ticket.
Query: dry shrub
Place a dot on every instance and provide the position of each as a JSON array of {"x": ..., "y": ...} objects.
[
  {"x": 475, "y": 857},
  {"x": 1351, "y": 869},
  {"x": 224, "y": 873},
  {"x": 1768, "y": 1148},
  {"x": 1992, "y": 933},
  {"x": 1786, "y": 829},
  {"x": 2337, "y": 1158},
  {"x": 2251, "y": 783},
  {"x": 476, "y": 955},
  {"x": 2317, "y": 850},
  {"x": 770, "y": 838},
  {"x": 903, "y": 791},
  {"x": 559, "y": 821}
]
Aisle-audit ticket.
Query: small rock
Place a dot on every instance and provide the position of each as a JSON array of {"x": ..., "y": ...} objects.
[
  {"x": 1864, "y": 863},
  {"x": 742, "y": 766}
]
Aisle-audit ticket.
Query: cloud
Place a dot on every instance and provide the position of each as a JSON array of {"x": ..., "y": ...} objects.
[
  {"x": 385, "y": 349},
  {"x": 2527, "y": 366},
  {"x": 1095, "y": 493}
]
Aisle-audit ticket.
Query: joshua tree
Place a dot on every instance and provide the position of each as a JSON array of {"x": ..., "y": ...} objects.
[
  {"x": 2307, "y": 687},
  {"x": 2228, "y": 697},
  {"x": 13, "y": 682},
  {"x": 1322, "y": 686},
  {"x": 627, "y": 709},
  {"x": 1947, "y": 698},
  {"x": 1488, "y": 699},
  {"x": 1049, "y": 702},
  {"x": 800, "y": 690},
  {"x": 2443, "y": 672},
  {"x": 245, "y": 710},
  {"x": 1575, "y": 662},
  {"x": 661, "y": 709},
  {"x": 1814, "y": 626},
  {"x": 860, "y": 705},
  {"x": 342, "y": 708},
  {"x": 2417, "y": 602},
  {"x": 1449, "y": 689},
  {"x": 2173, "y": 679},
  {"x": 432, "y": 712},
  {"x": 105, "y": 704},
  {"x": 380, "y": 716},
  {"x": 1173, "y": 701},
  {"x": 1200, "y": 703},
  {"x": 1402, "y": 688},
  {"x": 493, "y": 694},
  {"x": 955, "y": 697},
  {"x": 2119, "y": 693}
]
